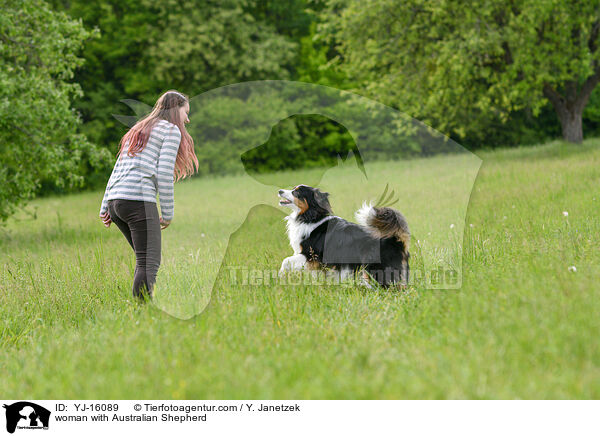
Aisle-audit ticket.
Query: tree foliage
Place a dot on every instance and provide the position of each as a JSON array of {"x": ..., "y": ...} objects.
[
  {"x": 194, "y": 47},
  {"x": 146, "y": 47},
  {"x": 487, "y": 73},
  {"x": 462, "y": 65},
  {"x": 38, "y": 127}
]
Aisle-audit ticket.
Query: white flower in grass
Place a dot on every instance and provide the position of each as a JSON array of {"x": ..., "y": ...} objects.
[
  {"x": 471, "y": 225},
  {"x": 565, "y": 213},
  {"x": 451, "y": 226},
  {"x": 202, "y": 235},
  {"x": 572, "y": 269}
]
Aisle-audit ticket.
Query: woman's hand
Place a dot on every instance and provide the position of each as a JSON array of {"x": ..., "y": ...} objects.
[
  {"x": 164, "y": 224},
  {"x": 106, "y": 219}
]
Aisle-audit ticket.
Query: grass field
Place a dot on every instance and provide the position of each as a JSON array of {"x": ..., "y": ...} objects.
[{"x": 522, "y": 325}]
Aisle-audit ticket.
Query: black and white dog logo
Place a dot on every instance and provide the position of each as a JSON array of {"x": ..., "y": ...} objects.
[{"x": 26, "y": 415}]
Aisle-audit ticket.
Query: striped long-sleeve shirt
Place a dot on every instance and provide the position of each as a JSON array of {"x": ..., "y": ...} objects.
[{"x": 151, "y": 170}]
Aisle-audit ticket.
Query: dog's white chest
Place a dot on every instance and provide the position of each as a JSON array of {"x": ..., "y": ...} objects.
[{"x": 297, "y": 232}]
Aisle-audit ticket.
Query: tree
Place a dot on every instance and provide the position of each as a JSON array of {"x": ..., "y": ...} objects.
[
  {"x": 457, "y": 65},
  {"x": 196, "y": 47},
  {"x": 38, "y": 128},
  {"x": 146, "y": 47}
]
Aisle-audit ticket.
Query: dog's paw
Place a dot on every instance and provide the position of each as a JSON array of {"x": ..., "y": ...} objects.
[{"x": 292, "y": 263}]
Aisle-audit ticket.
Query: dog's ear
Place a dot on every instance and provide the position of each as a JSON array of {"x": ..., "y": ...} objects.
[{"x": 322, "y": 200}]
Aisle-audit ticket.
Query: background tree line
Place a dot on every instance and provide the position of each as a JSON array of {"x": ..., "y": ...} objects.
[{"x": 486, "y": 73}]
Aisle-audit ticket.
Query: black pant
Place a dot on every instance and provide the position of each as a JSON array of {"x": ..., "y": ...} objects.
[{"x": 139, "y": 222}]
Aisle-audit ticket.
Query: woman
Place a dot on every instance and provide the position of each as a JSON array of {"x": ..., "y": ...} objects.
[{"x": 156, "y": 151}]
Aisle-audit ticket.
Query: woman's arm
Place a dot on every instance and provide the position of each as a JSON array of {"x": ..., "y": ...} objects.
[
  {"x": 165, "y": 172},
  {"x": 104, "y": 215},
  {"x": 104, "y": 206}
]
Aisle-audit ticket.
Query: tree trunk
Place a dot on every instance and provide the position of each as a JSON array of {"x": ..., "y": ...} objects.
[
  {"x": 570, "y": 121},
  {"x": 569, "y": 111},
  {"x": 569, "y": 108},
  {"x": 570, "y": 104}
]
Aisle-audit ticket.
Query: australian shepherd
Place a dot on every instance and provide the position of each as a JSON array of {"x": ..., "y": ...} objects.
[{"x": 376, "y": 247}]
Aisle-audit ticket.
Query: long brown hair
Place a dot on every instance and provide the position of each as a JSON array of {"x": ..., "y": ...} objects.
[{"x": 166, "y": 108}]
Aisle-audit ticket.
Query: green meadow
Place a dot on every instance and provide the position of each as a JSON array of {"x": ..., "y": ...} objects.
[{"x": 524, "y": 323}]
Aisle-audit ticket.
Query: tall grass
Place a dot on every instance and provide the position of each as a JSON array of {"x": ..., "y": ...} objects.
[{"x": 521, "y": 326}]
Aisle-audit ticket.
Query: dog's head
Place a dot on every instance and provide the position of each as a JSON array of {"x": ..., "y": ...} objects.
[{"x": 307, "y": 202}]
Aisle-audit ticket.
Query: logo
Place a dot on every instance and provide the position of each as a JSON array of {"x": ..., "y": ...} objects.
[
  {"x": 26, "y": 415},
  {"x": 382, "y": 145}
]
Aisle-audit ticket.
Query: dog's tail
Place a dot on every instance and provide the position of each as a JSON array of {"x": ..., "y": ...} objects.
[{"x": 384, "y": 222}]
